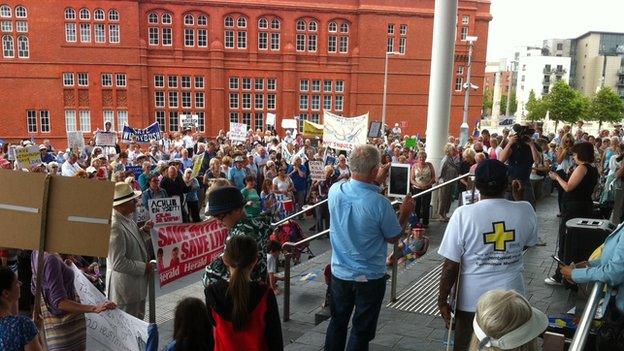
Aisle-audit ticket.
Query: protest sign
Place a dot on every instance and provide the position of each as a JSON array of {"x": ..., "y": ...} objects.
[
  {"x": 344, "y": 133},
  {"x": 197, "y": 163},
  {"x": 75, "y": 140},
  {"x": 152, "y": 132},
  {"x": 28, "y": 156},
  {"x": 105, "y": 138},
  {"x": 270, "y": 119},
  {"x": 238, "y": 131},
  {"x": 410, "y": 143},
  {"x": 317, "y": 171},
  {"x": 189, "y": 121},
  {"x": 312, "y": 129},
  {"x": 289, "y": 124},
  {"x": 111, "y": 330},
  {"x": 182, "y": 249},
  {"x": 167, "y": 210},
  {"x": 330, "y": 160},
  {"x": 135, "y": 170}
]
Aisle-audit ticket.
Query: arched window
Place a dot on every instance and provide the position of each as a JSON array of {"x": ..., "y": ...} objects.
[
  {"x": 242, "y": 22},
  {"x": 20, "y": 12},
  {"x": 275, "y": 24},
  {"x": 85, "y": 14},
  {"x": 312, "y": 26},
  {"x": 22, "y": 45},
  {"x": 8, "y": 46},
  {"x": 235, "y": 38},
  {"x": 167, "y": 19},
  {"x": 331, "y": 27},
  {"x": 338, "y": 42},
  {"x": 268, "y": 37},
  {"x": 263, "y": 23},
  {"x": 301, "y": 25},
  {"x": 113, "y": 15},
  {"x": 189, "y": 20},
  {"x": 202, "y": 20},
  {"x": 152, "y": 18},
  {"x": 98, "y": 15},
  {"x": 229, "y": 21},
  {"x": 306, "y": 38},
  {"x": 5, "y": 11},
  {"x": 344, "y": 28},
  {"x": 70, "y": 14}
]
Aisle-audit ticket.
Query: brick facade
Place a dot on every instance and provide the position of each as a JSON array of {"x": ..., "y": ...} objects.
[{"x": 135, "y": 62}]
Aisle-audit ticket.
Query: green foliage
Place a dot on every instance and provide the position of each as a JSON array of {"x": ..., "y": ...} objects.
[
  {"x": 605, "y": 106},
  {"x": 566, "y": 104},
  {"x": 536, "y": 109},
  {"x": 513, "y": 104},
  {"x": 487, "y": 99}
]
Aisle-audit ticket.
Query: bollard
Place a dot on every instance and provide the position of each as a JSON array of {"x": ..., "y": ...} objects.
[
  {"x": 286, "y": 306},
  {"x": 395, "y": 265},
  {"x": 152, "y": 293}
]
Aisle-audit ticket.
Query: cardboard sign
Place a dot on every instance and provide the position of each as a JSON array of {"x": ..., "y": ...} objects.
[
  {"x": 27, "y": 157},
  {"x": 197, "y": 163},
  {"x": 238, "y": 131},
  {"x": 344, "y": 133},
  {"x": 182, "y": 249},
  {"x": 312, "y": 129},
  {"x": 189, "y": 121},
  {"x": 135, "y": 170},
  {"x": 75, "y": 140},
  {"x": 152, "y": 132},
  {"x": 79, "y": 212},
  {"x": 317, "y": 170},
  {"x": 112, "y": 330},
  {"x": 105, "y": 138},
  {"x": 167, "y": 210},
  {"x": 289, "y": 124},
  {"x": 270, "y": 119}
]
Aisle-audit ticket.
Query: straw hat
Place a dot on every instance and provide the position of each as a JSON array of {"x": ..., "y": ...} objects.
[{"x": 124, "y": 193}]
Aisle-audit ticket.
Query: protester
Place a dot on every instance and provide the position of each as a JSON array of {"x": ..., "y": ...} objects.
[
  {"x": 298, "y": 174},
  {"x": 70, "y": 167},
  {"x": 244, "y": 312},
  {"x": 482, "y": 247},
  {"x": 342, "y": 169},
  {"x": 191, "y": 322},
  {"x": 423, "y": 178},
  {"x": 127, "y": 264},
  {"x": 504, "y": 320},
  {"x": 274, "y": 249},
  {"x": 448, "y": 170},
  {"x": 520, "y": 153},
  {"x": 252, "y": 199},
  {"x": 192, "y": 196},
  {"x": 174, "y": 185},
  {"x": 359, "y": 240}
]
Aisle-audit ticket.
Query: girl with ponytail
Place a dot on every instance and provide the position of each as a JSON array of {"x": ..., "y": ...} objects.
[{"x": 243, "y": 312}]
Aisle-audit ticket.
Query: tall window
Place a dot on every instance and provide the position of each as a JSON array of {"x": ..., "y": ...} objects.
[
  {"x": 120, "y": 80},
  {"x": 403, "y": 39},
  {"x": 31, "y": 121},
  {"x": 269, "y": 33},
  {"x": 68, "y": 79},
  {"x": 85, "y": 120},
  {"x": 70, "y": 120},
  {"x": 307, "y": 35},
  {"x": 109, "y": 117},
  {"x": 44, "y": 121},
  {"x": 195, "y": 30},
  {"x": 92, "y": 28},
  {"x": 122, "y": 119},
  {"x": 395, "y": 37},
  {"x": 464, "y": 33},
  {"x": 251, "y": 99},
  {"x": 159, "y": 32},
  {"x": 8, "y": 46},
  {"x": 100, "y": 33},
  {"x": 14, "y": 32},
  {"x": 107, "y": 80},
  {"x": 316, "y": 94},
  {"x": 70, "y": 32},
  {"x": 178, "y": 96},
  {"x": 338, "y": 37},
  {"x": 235, "y": 34}
]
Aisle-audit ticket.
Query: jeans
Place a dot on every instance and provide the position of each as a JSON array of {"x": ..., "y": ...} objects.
[
  {"x": 366, "y": 297},
  {"x": 300, "y": 196}
]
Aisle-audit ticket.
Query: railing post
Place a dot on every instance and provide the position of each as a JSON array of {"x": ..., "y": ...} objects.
[
  {"x": 582, "y": 331},
  {"x": 152, "y": 292},
  {"x": 395, "y": 265},
  {"x": 286, "y": 306}
]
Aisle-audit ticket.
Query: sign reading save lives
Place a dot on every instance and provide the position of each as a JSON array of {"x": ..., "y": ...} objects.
[{"x": 167, "y": 210}]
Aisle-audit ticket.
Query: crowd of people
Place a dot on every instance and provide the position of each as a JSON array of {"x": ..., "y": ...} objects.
[{"x": 248, "y": 184}]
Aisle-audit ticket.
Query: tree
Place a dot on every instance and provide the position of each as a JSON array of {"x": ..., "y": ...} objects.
[
  {"x": 536, "y": 109},
  {"x": 513, "y": 104},
  {"x": 487, "y": 99},
  {"x": 605, "y": 106},
  {"x": 566, "y": 104}
]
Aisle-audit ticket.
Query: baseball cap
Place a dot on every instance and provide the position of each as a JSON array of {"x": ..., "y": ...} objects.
[{"x": 491, "y": 172}]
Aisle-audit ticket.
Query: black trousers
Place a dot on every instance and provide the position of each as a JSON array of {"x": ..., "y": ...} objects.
[
  {"x": 569, "y": 210},
  {"x": 422, "y": 205},
  {"x": 193, "y": 207}
]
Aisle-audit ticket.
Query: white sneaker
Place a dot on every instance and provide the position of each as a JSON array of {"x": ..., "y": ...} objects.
[
  {"x": 552, "y": 281},
  {"x": 540, "y": 242}
]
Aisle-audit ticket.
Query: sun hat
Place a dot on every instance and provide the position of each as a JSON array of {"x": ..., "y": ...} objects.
[
  {"x": 91, "y": 169},
  {"x": 224, "y": 199},
  {"x": 124, "y": 193},
  {"x": 239, "y": 159},
  {"x": 43, "y": 147}
]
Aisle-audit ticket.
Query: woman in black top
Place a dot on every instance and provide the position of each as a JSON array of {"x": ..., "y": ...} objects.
[{"x": 577, "y": 201}]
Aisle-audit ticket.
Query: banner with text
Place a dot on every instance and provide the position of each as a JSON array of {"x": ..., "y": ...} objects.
[
  {"x": 27, "y": 157},
  {"x": 312, "y": 129},
  {"x": 189, "y": 121},
  {"x": 75, "y": 140},
  {"x": 167, "y": 210},
  {"x": 111, "y": 330},
  {"x": 182, "y": 249},
  {"x": 238, "y": 131},
  {"x": 105, "y": 138},
  {"x": 317, "y": 170},
  {"x": 344, "y": 133},
  {"x": 152, "y": 132}
]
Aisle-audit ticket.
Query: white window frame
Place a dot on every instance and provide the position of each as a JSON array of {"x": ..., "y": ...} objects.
[
  {"x": 121, "y": 80},
  {"x": 339, "y": 103},
  {"x": 159, "y": 81},
  {"x": 339, "y": 86},
  {"x": 85, "y": 120},
  {"x": 303, "y": 102},
  {"x": 275, "y": 41},
  {"x": 172, "y": 81},
  {"x": 172, "y": 99},
  {"x": 202, "y": 38},
  {"x": 259, "y": 101},
  {"x": 153, "y": 35},
  {"x": 233, "y": 101},
  {"x": 167, "y": 36},
  {"x": 304, "y": 85},
  {"x": 189, "y": 37},
  {"x": 234, "y": 83},
  {"x": 271, "y": 84},
  {"x": 263, "y": 40},
  {"x": 166, "y": 18},
  {"x": 344, "y": 45},
  {"x": 84, "y": 14},
  {"x": 109, "y": 116},
  {"x": 98, "y": 15},
  {"x": 403, "y": 29},
  {"x": 70, "y": 121},
  {"x": 241, "y": 39},
  {"x": 332, "y": 27},
  {"x": 402, "y": 45},
  {"x": 113, "y": 15},
  {"x": 44, "y": 121},
  {"x": 186, "y": 100},
  {"x": 228, "y": 39},
  {"x": 185, "y": 82},
  {"x": 85, "y": 32},
  {"x": 390, "y": 29},
  {"x": 200, "y": 83},
  {"x": 271, "y": 101},
  {"x": 71, "y": 35},
  {"x": 200, "y": 99},
  {"x": 7, "y": 27},
  {"x": 159, "y": 116},
  {"x": 70, "y": 13},
  {"x": 174, "y": 116},
  {"x": 21, "y": 26},
  {"x": 31, "y": 121},
  {"x": 83, "y": 79},
  {"x": 315, "y": 103},
  {"x": 312, "y": 43},
  {"x": 465, "y": 20},
  {"x": 152, "y": 18},
  {"x": 122, "y": 119},
  {"x": 301, "y": 42},
  {"x": 107, "y": 79},
  {"x": 332, "y": 44},
  {"x": 68, "y": 79},
  {"x": 246, "y": 83},
  {"x": 114, "y": 33},
  {"x": 99, "y": 31},
  {"x": 246, "y": 101},
  {"x": 258, "y": 83},
  {"x": 159, "y": 99}
]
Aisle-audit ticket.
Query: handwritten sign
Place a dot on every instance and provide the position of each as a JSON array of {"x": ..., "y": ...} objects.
[
  {"x": 189, "y": 121},
  {"x": 182, "y": 249},
  {"x": 317, "y": 171},
  {"x": 167, "y": 210},
  {"x": 238, "y": 131},
  {"x": 27, "y": 157},
  {"x": 105, "y": 138},
  {"x": 75, "y": 140}
]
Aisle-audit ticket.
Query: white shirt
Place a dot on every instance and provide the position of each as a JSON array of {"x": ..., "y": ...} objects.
[
  {"x": 188, "y": 141},
  {"x": 487, "y": 238},
  {"x": 69, "y": 170}
]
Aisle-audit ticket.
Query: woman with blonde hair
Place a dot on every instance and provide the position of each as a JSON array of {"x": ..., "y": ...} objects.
[{"x": 505, "y": 320}]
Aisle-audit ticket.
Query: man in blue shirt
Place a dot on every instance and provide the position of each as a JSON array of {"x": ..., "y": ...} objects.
[
  {"x": 362, "y": 223},
  {"x": 238, "y": 173},
  {"x": 299, "y": 175}
]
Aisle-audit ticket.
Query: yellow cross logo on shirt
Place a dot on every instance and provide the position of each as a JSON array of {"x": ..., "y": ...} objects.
[{"x": 499, "y": 236}]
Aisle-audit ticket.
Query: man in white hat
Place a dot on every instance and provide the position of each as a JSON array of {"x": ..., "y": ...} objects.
[{"x": 127, "y": 264}]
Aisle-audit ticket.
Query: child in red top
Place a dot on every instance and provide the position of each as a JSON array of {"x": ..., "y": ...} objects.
[{"x": 244, "y": 313}]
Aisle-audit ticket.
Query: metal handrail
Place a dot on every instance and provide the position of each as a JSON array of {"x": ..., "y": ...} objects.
[
  {"x": 298, "y": 213},
  {"x": 288, "y": 246},
  {"x": 582, "y": 331}
]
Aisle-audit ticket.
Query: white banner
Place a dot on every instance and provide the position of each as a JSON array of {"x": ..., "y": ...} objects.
[
  {"x": 317, "y": 170},
  {"x": 270, "y": 119},
  {"x": 238, "y": 131},
  {"x": 344, "y": 133},
  {"x": 289, "y": 124},
  {"x": 113, "y": 330},
  {"x": 105, "y": 138}
]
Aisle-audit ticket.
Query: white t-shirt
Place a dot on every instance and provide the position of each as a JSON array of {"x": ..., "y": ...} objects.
[
  {"x": 271, "y": 263},
  {"x": 188, "y": 141},
  {"x": 487, "y": 238},
  {"x": 281, "y": 185}
]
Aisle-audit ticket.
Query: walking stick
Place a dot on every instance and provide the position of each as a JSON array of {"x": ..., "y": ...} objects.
[{"x": 455, "y": 298}]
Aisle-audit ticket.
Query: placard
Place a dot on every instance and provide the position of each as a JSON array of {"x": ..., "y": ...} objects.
[
  {"x": 105, "y": 138},
  {"x": 111, "y": 330},
  {"x": 27, "y": 157},
  {"x": 197, "y": 163},
  {"x": 238, "y": 131},
  {"x": 312, "y": 129},
  {"x": 289, "y": 124},
  {"x": 75, "y": 140},
  {"x": 375, "y": 130},
  {"x": 167, "y": 210},
  {"x": 270, "y": 119},
  {"x": 135, "y": 170},
  {"x": 152, "y": 132},
  {"x": 467, "y": 197},
  {"x": 410, "y": 143},
  {"x": 344, "y": 133},
  {"x": 189, "y": 121},
  {"x": 182, "y": 249},
  {"x": 317, "y": 170}
]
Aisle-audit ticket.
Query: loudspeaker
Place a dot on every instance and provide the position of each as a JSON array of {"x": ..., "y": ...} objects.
[{"x": 583, "y": 236}]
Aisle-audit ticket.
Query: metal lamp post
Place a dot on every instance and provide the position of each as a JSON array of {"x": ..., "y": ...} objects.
[
  {"x": 463, "y": 129},
  {"x": 385, "y": 87}
]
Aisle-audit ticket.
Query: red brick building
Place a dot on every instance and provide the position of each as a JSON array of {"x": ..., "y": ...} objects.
[
  {"x": 488, "y": 81},
  {"x": 74, "y": 64}
]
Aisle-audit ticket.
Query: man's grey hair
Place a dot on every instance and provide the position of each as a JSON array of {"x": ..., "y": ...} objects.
[{"x": 364, "y": 158}]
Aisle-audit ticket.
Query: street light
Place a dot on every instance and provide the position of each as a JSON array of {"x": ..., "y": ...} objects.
[
  {"x": 463, "y": 129},
  {"x": 383, "y": 104}
]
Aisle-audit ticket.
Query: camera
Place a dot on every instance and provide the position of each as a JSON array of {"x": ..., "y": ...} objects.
[{"x": 524, "y": 133}]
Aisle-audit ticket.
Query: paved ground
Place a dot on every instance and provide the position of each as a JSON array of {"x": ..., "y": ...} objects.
[{"x": 397, "y": 330}]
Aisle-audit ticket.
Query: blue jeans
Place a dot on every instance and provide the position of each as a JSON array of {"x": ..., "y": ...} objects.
[{"x": 366, "y": 297}]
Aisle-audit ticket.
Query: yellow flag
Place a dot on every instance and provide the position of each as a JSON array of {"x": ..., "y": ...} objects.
[{"x": 312, "y": 129}]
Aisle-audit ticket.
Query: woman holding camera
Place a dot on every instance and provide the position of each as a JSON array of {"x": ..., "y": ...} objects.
[{"x": 577, "y": 201}]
